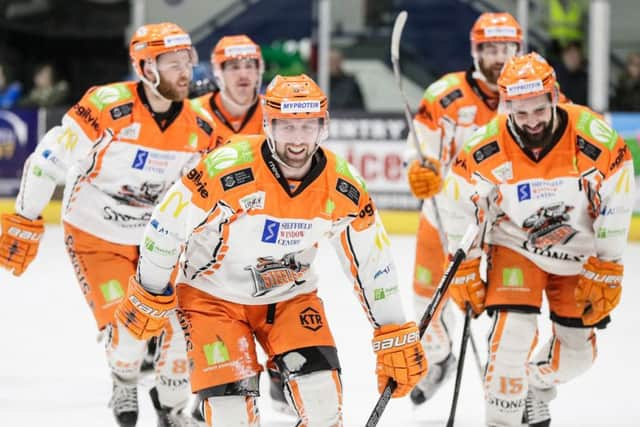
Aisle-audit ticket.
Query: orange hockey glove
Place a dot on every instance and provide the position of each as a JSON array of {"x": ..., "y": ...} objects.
[
  {"x": 466, "y": 286},
  {"x": 400, "y": 356},
  {"x": 19, "y": 242},
  {"x": 142, "y": 313},
  {"x": 598, "y": 291},
  {"x": 423, "y": 181}
]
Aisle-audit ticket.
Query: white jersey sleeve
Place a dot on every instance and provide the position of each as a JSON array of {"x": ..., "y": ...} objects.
[
  {"x": 60, "y": 148},
  {"x": 366, "y": 258}
]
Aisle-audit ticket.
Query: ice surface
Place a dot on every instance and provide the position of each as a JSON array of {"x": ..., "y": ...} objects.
[{"x": 53, "y": 372}]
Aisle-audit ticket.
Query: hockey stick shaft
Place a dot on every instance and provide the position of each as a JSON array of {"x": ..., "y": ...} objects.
[
  {"x": 396, "y": 35},
  {"x": 463, "y": 351},
  {"x": 446, "y": 279}
]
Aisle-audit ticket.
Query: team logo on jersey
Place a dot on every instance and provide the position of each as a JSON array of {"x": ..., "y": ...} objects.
[
  {"x": 140, "y": 159},
  {"x": 147, "y": 194},
  {"x": 270, "y": 274},
  {"x": 548, "y": 226}
]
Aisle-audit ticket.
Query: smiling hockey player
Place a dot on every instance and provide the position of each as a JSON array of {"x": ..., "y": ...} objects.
[
  {"x": 119, "y": 149},
  {"x": 251, "y": 216},
  {"x": 556, "y": 183}
]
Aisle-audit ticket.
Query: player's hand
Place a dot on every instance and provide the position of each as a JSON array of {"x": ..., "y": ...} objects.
[
  {"x": 399, "y": 356},
  {"x": 143, "y": 313},
  {"x": 466, "y": 286},
  {"x": 598, "y": 291},
  {"x": 424, "y": 181},
  {"x": 19, "y": 241}
]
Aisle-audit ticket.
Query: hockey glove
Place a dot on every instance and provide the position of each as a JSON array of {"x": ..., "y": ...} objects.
[
  {"x": 466, "y": 286},
  {"x": 143, "y": 313},
  {"x": 399, "y": 356},
  {"x": 598, "y": 291},
  {"x": 423, "y": 181},
  {"x": 19, "y": 242}
]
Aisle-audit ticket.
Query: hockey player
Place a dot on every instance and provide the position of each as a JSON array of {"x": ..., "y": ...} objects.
[
  {"x": 236, "y": 108},
  {"x": 556, "y": 184},
  {"x": 250, "y": 217},
  {"x": 451, "y": 110},
  {"x": 237, "y": 68},
  {"x": 119, "y": 149}
]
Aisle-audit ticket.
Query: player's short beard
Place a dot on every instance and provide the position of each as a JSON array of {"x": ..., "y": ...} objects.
[
  {"x": 170, "y": 92},
  {"x": 489, "y": 73},
  {"x": 536, "y": 141}
]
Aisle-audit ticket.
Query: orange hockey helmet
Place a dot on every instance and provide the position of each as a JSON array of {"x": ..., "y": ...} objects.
[
  {"x": 527, "y": 76},
  {"x": 294, "y": 97},
  {"x": 496, "y": 27},
  {"x": 235, "y": 47},
  {"x": 150, "y": 41}
]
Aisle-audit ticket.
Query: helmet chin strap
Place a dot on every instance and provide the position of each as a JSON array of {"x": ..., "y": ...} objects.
[
  {"x": 153, "y": 86},
  {"x": 479, "y": 75}
]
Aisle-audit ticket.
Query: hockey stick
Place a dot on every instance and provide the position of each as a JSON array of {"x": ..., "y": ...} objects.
[
  {"x": 396, "y": 34},
  {"x": 398, "y": 26},
  {"x": 458, "y": 257},
  {"x": 463, "y": 352}
]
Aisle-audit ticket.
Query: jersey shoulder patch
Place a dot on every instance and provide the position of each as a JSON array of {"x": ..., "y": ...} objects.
[
  {"x": 230, "y": 157},
  {"x": 593, "y": 129},
  {"x": 348, "y": 181},
  {"x": 445, "y": 87},
  {"x": 198, "y": 106},
  {"x": 486, "y": 133},
  {"x": 102, "y": 97}
]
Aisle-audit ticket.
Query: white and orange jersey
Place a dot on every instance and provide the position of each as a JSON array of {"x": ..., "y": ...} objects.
[
  {"x": 250, "y": 236},
  {"x": 117, "y": 160},
  {"x": 568, "y": 202},
  {"x": 226, "y": 124},
  {"x": 451, "y": 109}
]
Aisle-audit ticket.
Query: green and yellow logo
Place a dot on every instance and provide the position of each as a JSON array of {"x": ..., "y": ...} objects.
[
  {"x": 230, "y": 155},
  {"x": 216, "y": 352},
  {"x": 111, "y": 290},
  {"x": 423, "y": 275},
  {"x": 106, "y": 95},
  {"x": 512, "y": 277},
  {"x": 597, "y": 129},
  {"x": 440, "y": 87}
]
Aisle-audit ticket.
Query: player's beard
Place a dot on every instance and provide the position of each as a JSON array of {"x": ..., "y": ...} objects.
[
  {"x": 173, "y": 92},
  {"x": 535, "y": 141},
  {"x": 490, "y": 73}
]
